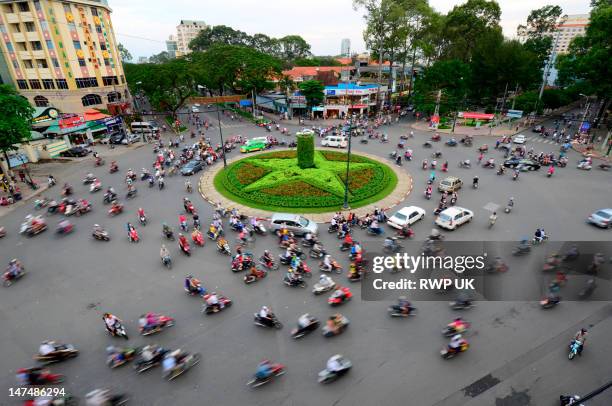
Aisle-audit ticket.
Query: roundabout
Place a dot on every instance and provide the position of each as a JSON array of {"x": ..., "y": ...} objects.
[{"x": 279, "y": 181}]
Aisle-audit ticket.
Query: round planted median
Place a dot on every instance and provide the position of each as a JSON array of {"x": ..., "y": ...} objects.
[{"x": 275, "y": 181}]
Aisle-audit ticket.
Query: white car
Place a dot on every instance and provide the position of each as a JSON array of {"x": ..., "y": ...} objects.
[
  {"x": 453, "y": 217},
  {"x": 519, "y": 139},
  {"x": 195, "y": 109},
  {"x": 406, "y": 216}
]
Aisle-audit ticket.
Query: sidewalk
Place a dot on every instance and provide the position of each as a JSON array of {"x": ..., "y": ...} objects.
[{"x": 499, "y": 131}]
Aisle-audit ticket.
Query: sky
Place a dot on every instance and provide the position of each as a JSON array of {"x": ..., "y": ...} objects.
[{"x": 144, "y": 25}]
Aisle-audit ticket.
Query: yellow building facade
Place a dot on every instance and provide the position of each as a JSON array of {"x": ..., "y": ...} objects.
[{"x": 62, "y": 53}]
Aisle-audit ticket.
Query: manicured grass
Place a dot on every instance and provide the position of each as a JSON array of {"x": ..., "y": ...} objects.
[{"x": 274, "y": 182}]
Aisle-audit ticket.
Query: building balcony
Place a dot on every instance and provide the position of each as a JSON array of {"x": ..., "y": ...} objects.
[
  {"x": 18, "y": 37},
  {"x": 26, "y": 16},
  {"x": 32, "y": 36},
  {"x": 11, "y": 18},
  {"x": 24, "y": 55},
  {"x": 39, "y": 55}
]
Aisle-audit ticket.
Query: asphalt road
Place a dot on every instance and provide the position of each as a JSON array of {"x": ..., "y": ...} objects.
[{"x": 72, "y": 280}]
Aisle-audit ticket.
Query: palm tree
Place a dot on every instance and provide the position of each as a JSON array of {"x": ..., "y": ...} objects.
[{"x": 286, "y": 84}]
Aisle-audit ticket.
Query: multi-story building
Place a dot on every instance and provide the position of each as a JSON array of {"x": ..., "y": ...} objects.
[
  {"x": 186, "y": 31},
  {"x": 172, "y": 47},
  {"x": 62, "y": 53},
  {"x": 345, "y": 47},
  {"x": 572, "y": 27}
]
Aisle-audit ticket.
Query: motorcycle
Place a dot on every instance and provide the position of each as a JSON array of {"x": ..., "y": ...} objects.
[
  {"x": 109, "y": 197},
  {"x": 334, "y": 267},
  {"x": 113, "y": 169},
  {"x": 317, "y": 253},
  {"x": 61, "y": 353},
  {"x": 198, "y": 239},
  {"x": 521, "y": 249},
  {"x": 340, "y": 296},
  {"x": 40, "y": 203},
  {"x": 397, "y": 311},
  {"x": 119, "y": 356},
  {"x": 167, "y": 262},
  {"x": 550, "y": 302},
  {"x": 186, "y": 364},
  {"x": 297, "y": 281},
  {"x": 448, "y": 353},
  {"x": 131, "y": 194},
  {"x": 300, "y": 331},
  {"x": 224, "y": 249},
  {"x": 141, "y": 365},
  {"x": 451, "y": 330},
  {"x": 327, "y": 376},
  {"x": 341, "y": 326},
  {"x": 271, "y": 322},
  {"x": 9, "y": 279},
  {"x": 588, "y": 290},
  {"x": 185, "y": 249},
  {"x": 465, "y": 165},
  {"x": 224, "y": 302},
  {"x": 162, "y": 323},
  {"x": 64, "y": 229},
  {"x": 260, "y": 229},
  {"x": 101, "y": 235},
  {"x": 575, "y": 348},
  {"x": 270, "y": 265},
  {"x": 461, "y": 305},
  {"x": 275, "y": 370},
  {"x": 119, "y": 331},
  {"x": 320, "y": 288},
  {"x": 258, "y": 274}
]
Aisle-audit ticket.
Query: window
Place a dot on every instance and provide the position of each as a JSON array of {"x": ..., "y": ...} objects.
[
  {"x": 77, "y": 44},
  {"x": 114, "y": 97},
  {"x": 9, "y": 47},
  {"x": 28, "y": 63},
  {"x": 8, "y": 8},
  {"x": 15, "y": 27},
  {"x": 82, "y": 62},
  {"x": 91, "y": 100},
  {"x": 48, "y": 84},
  {"x": 42, "y": 64},
  {"x": 122, "y": 79},
  {"x": 36, "y": 45},
  {"x": 72, "y": 26},
  {"x": 22, "y": 84},
  {"x": 35, "y": 84},
  {"x": 103, "y": 46},
  {"x": 98, "y": 29},
  {"x": 41, "y": 101},
  {"x": 55, "y": 62},
  {"x": 67, "y": 7},
  {"x": 21, "y": 46},
  {"x": 49, "y": 44},
  {"x": 61, "y": 83},
  {"x": 44, "y": 25},
  {"x": 2, "y": 28},
  {"x": 37, "y": 5},
  {"x": 23, "y": 7},
  {"x": 86, "y": 82},
  {"x": 106, "y": 61},
  {"x": 110, "y": 80},
  {"x": 94, "y": 11},
  {"x": 30, "y": 27},
  {"x": 15, "y": 64}
]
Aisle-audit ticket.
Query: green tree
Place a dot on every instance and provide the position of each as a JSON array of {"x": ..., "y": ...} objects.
[
  {"x": 162, "y": 57},
  {"x": 540, "y": 23},
  {"x": 241, "y": 69},
  {"x": 125, "y": 55},
  {"x": 15, "y": 125},
  {"x": 286, "y": 84},
  {"x": 167, "y": 85},
  {"x": 465, "y": 24},
  {"x": 316, "y": 61},
  {"x": 451, "y": 77},
  {"x": 218, "y": 35},
  {"x": 293, "y": 46},
  {"x": 312, "y": 90}
]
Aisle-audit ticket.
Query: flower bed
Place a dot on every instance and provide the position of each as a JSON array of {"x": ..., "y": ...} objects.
[{"x": 273, "y": 181}]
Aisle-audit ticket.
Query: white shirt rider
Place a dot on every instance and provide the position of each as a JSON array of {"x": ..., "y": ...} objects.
[
  {"x": 46, "y": 348},
  {"x": 333, "y": 364},
  {"x": 212, "y": 300}
]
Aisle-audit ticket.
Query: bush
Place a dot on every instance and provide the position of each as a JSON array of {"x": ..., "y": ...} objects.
[{"x": 305, "y": 150}]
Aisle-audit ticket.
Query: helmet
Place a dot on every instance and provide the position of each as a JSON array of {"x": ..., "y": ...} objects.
[
  {"x": 265, "y": 308},
  {"x": 458, "y": 319},
  {"x": 583, "y": 330},
  {"x": 106, "y": 315}
]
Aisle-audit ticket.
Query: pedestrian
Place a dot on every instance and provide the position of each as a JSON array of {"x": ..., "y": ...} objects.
[{"x": 21, "y": 176}]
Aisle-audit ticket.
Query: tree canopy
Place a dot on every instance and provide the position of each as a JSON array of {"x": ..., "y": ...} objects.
[
  {"x": 125, "y": 55},
  {"x": 312, "y": 91},
  {"x": 16, "y": 113}
]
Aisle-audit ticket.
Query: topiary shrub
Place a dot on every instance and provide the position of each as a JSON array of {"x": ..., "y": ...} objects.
[{"x": 305, "y": 149}]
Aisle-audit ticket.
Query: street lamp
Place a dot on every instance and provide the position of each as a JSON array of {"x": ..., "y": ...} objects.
[
  {"x": 220, "y": 130},
  {"x": 348, "y": 162}
]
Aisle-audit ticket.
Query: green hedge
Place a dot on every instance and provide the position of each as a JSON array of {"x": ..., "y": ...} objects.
[
  {"x": 380, "y": 185},
  {"x": 305, "y": 150}
]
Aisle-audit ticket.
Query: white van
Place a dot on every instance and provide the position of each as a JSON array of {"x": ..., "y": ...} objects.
[
  {"x": 143, "y": 127},
  {"x": 336, "y": 141}
]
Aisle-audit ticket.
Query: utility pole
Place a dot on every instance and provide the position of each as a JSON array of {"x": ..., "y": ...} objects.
[
  {"x": 437, "y": 109},
  {"x": 380, "y": 61}
]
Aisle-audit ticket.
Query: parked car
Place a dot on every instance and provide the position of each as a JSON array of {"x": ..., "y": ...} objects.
[
  {"x": 195, "y": 109},
  {"x": 78, "y": 151},
  {"x": 519, "y": 139},
  {"x": 406, "y": 216},
  {"x": 537, "y": 129},
  {"x": 253, "y": 145},
  {"x": 601, "y": 218},
  {"x": 296, "y": 224},
  {"x": 131, "y": 138},
  {"x": 450, "y": 184},
  {"x": 453, "y": 217},
  {"x": 117, "y": 138},
  {"x": 192, "y": 167},
  {"x": 528, "y": 164}
]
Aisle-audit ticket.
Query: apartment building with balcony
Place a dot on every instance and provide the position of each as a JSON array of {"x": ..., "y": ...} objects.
[{"x": 62, "y": 54}]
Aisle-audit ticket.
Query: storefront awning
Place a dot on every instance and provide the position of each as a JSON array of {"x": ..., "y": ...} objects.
[{"x": 478, "y": 116}]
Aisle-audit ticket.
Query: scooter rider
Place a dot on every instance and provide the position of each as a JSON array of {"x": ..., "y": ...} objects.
[
  {"x": 164, "y": 253},
  {"x": 475, "y": 182},
  {"x": 111, "y": 322},
  {"x": 266, "y": 315},
  {"x": 581, "y": 337},
  {"x": 212, "y": 301},
  {"x": 539, "y": 235}
]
